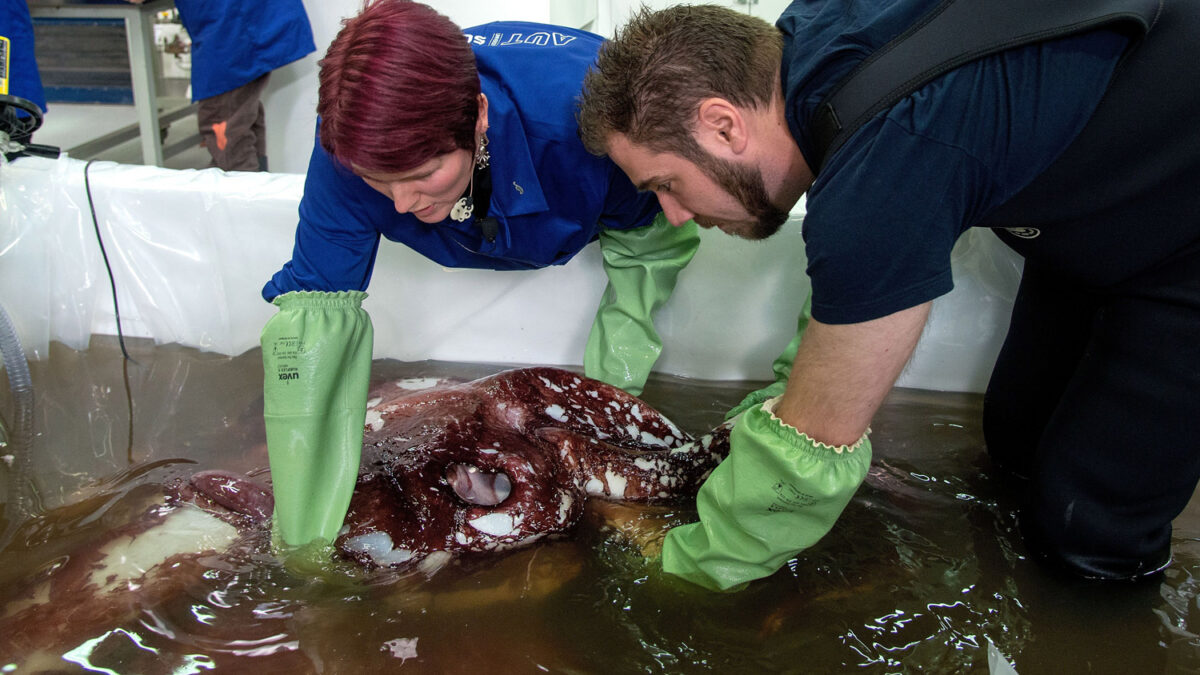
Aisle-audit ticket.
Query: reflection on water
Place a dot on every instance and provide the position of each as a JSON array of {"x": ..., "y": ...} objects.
[{"x": 922, "y": 572}]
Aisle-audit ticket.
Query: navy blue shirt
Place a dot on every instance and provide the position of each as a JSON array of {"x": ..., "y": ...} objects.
[
  {"x": 550, "y": 196},
  {"x": 886, "y": 209}
]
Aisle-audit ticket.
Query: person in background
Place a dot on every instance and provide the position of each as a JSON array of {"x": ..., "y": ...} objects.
[
  {"x": 462, "y": 145},
  {"x": 21, "y": 78},
  {"x": 235, "y": 46},
  {"x": 1079, "y": 148}
]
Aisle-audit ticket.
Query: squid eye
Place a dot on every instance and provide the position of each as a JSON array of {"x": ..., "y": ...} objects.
[{"x": 475, "y": 486}]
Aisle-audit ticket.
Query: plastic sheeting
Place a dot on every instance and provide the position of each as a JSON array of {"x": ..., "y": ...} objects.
[{"x": 190, "y": 251}]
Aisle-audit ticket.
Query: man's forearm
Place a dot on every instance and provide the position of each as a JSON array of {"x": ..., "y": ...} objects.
[{"x": 842, "y": 373}]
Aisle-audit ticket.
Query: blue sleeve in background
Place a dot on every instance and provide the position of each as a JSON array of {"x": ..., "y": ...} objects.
[{"x": 22, "y": 77}]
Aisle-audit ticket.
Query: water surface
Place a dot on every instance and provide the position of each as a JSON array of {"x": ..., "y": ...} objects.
[{"x": 923, "y": 571}]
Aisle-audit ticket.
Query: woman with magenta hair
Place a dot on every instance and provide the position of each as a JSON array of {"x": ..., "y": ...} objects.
[{"x": 462, "y": 145}]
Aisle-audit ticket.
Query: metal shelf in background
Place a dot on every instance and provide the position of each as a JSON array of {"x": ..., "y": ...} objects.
[
  {"x": 139, "y": 35},
  {"x": 171, "y": 110}
]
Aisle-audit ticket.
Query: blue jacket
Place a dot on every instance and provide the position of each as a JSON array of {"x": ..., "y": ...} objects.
[
  {"x": 550, "y": 196},
  {"x": 235, "y": 42},
  {"x": 23, "y": 78}
]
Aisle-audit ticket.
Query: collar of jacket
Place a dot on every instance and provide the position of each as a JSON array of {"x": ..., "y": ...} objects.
[{"x": 516, "y": 190}]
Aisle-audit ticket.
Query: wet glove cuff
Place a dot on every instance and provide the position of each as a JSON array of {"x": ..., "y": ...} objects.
[
  {"x": 777, "y": 493},
  {"x": 319, "y": 300},
  {"x": 769, "y": 407}
]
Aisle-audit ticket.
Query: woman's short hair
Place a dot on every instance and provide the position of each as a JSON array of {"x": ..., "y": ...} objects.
[{"x": 398, "y": 87}]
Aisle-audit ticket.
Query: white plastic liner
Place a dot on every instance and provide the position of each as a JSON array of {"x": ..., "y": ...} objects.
[{"x": 190, "y": 251}]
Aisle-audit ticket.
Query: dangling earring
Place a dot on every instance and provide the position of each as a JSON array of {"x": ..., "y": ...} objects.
[
  {"x": 463, "y": 207},
  {"x": 482, "y": 156}
]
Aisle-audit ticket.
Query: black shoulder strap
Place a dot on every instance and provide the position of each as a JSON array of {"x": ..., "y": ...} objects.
[{"x": 954, "y": 33}]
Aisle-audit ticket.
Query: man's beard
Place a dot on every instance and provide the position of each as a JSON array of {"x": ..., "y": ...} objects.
[{"x": 746, "y": 186}]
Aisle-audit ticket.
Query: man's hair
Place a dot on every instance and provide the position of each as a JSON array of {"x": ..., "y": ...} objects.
[
  {"x": 649, "y": 80},
  {"x": 398, "y": 87}
]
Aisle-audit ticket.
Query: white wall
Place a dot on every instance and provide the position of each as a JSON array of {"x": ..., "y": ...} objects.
[
  {"x": 291, "y": 97},
  {"x": 190, "y": 251}
]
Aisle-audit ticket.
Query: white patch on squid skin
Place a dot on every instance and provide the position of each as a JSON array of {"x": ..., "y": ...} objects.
[
  {"x": 497, "y": 524},
  {"x": 674, "y": 429},
  {"x": 636, "y": 411},
  {"x": 593, "y": 393},
  {"x": 513, "y": 416},
  {"x": 40, "y": 596},
  {"x": 611, "y": 485},
  {"x": 550, "y": 385},
  {"x": 379, "y": 548},
  {"x": 646, "y": 464},
  {"x": 418, "y": 383},
  {"x": 598, "y": 432},
  {"x": 374, "y": 420},
  {"x": 557, "y": 412},
  {"x": 594, "y": 487},
  {"x": 650, "y": 439},
  {"x": 705, "y": 442},
  {"x": 488, "y": 451},
  {"x": 564, "y": 508},
  {"x": 434, "y": 562},
  {"x": 374, "y": 402},
  {"x": 617, "y": 484},
  {"x": 506, "y": 544},
  {"x": 127, "y": 560}
]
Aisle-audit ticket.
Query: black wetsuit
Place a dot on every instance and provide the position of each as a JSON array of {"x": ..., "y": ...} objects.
[{"x": 1096, "y": 393}]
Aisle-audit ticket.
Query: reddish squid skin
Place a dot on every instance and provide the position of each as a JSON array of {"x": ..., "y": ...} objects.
[{"x": 557, "y": 436}]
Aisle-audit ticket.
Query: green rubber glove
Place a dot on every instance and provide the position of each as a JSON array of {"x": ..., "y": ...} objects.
[
  {"x": 777, "y": 493},
  {"x": 642, "y": 266},
  {"x": 782, "y": 367},
  {"x": 316, "y": 369}
]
